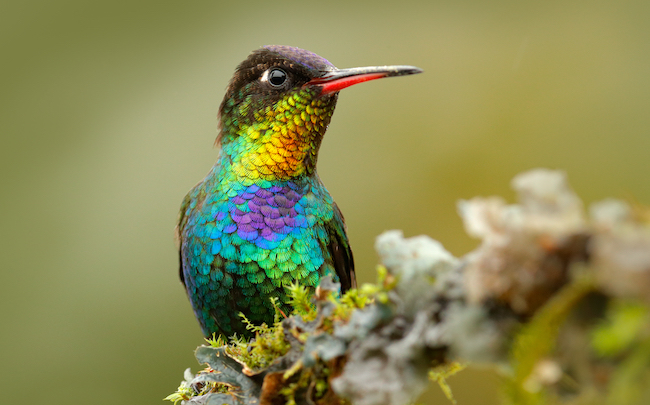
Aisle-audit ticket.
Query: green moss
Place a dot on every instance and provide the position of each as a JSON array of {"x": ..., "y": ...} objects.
[
  {"x": 183, "y": 393},
  {"x": 300, "y": 301},
  {"x": 186, "y": 391},
  {"x": 271, "y": 343},
  {"x": 440, "y": 374},
  {"x": 290, "y": 391},
  {"x": 268, "y": 345},
  {"x": 624, "y": 325},
  {"x": 631, "y": 380}
]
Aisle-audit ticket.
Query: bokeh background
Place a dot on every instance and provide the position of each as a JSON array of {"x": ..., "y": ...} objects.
[{"x": 108, "y": 115}]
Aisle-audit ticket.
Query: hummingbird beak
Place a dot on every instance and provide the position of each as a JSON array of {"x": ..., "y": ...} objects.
[{"x": 335, "y": 80}]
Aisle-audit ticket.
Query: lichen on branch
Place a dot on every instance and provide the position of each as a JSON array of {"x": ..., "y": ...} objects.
[{"x": 557, "y": 298}]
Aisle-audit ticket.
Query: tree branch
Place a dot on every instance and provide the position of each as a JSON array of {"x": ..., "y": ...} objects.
[{"x": 556, "y": 298}]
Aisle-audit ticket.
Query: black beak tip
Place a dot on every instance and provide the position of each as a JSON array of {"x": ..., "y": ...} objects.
[{"x": 408, "y": 70}]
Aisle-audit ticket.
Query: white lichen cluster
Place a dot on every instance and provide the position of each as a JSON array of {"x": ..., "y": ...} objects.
[
  {"x": 396, "y": 340},
  {"x": 511, "y": 263},
  {"x": 528, "y": 248},
  {"x": 620, "y": 249}
]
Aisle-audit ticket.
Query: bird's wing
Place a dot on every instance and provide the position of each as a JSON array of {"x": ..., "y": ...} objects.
[
  {"x": 340, "y": 251},
  {"x": 178, "y": 231}
]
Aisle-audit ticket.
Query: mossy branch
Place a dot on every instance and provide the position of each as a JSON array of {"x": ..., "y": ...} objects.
[{"x": 558, "y": 300}]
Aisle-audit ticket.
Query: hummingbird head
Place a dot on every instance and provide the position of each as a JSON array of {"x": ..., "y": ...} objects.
[{"x": 277, "y": 108}]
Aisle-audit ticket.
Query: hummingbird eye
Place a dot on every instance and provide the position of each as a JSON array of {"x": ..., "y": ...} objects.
[{"x": 276, "y": 77}]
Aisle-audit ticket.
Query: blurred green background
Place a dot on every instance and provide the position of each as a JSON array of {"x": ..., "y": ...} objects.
[{"x": 108, "y": 115}]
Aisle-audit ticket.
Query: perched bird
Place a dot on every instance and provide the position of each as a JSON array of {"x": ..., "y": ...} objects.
[{"x": 262, "y": 219}]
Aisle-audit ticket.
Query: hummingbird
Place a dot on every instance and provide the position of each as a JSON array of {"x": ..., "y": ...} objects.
[{"x": 262, "y": 219}]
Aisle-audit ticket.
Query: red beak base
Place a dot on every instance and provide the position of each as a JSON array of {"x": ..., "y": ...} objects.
[{"x": 336, "y": 80}]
